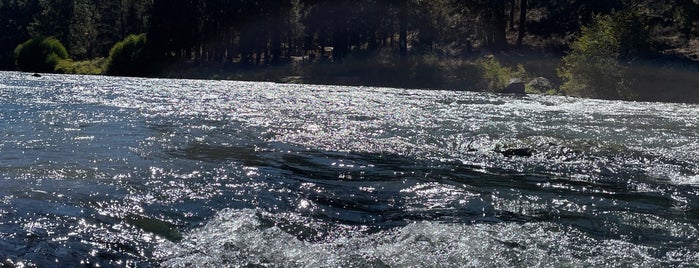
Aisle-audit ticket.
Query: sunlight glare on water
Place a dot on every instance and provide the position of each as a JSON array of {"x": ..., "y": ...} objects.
[{"x": 155, "y": 172}]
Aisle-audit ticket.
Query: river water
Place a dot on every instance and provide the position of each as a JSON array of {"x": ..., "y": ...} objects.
[{"x": 130, "y": 172}]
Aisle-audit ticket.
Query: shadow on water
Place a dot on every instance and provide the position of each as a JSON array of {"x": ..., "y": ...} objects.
[
  {"x": 322, "y": 196},
  {"x": 378, "y": 192},
  {"x": 219, "y": 153}
]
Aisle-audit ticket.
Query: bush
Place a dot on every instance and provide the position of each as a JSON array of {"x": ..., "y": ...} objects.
[
  {"x": 495, "y": 76},
  {"x": 128, "y": 57},
  {"x": 594, "y": 66},
  {"x": 92, "y": 67},
  {"x": 39, "y": 54}
]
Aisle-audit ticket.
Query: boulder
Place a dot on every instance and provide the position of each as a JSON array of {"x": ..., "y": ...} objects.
[
  {"x": 541, "y": 84},
  {"x": 515, "y": 86},
  {"x": 521, "y": 152}
]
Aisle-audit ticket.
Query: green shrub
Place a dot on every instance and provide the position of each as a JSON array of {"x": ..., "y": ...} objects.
[
  {"x": 94, "y": 66},
  {"x": 495, "y": 76},
  {"x": 128, "y": 57},
  {"x": 594, "y": 66},
  {"x": 39, "y": 54}
]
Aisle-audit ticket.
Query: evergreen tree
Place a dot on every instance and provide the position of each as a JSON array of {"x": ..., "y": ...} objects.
[
  {"x": 53, "y": 20},
  {"x": 15, "y": 17},
  {"x": 83, "y": 30}
]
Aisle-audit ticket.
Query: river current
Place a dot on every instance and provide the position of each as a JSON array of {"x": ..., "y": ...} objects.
[{"x": 131, "y": 172}]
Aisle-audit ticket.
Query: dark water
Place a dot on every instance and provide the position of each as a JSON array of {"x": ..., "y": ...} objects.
[{"x": 100, "y": 171}]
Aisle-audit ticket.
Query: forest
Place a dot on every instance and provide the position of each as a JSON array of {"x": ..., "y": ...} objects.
[{"x": 617, "y": 49}]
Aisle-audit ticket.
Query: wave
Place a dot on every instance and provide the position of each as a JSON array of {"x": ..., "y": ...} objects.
[{"x": 246, "y": 238}]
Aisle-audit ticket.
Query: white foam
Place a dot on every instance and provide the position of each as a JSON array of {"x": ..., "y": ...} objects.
[
  {"x": 238, "y": 238},
  {"x": 689, "y": 180}
]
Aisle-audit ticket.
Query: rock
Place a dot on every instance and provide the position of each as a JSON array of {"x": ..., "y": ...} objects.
[
  {"x": 292, "y": 79},
  {"x": 541, "y": 84},
  {"x": 521, "y": 152},
  {"x": 515, "y": 86},
  {"x": 36, "y": 75}
]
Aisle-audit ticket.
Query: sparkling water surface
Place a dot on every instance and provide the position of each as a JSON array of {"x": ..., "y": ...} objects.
[{"x": 131, "y": 172}]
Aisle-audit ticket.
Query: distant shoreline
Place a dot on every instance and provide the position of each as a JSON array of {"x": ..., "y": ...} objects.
[
  {"x": 664, "y": 79},
  {"x": 678, "y": 81}
]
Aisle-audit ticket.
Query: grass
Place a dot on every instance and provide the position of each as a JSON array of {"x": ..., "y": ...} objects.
[{"x": 90, "y": 67}]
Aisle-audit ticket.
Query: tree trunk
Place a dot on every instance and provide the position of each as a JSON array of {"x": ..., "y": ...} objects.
[
  {"x": 500, "y": 25},
  {"x": 230, "y": 45},
  {"x": 522, "y": 21},
  {"x": 403, "y": 28},
  {"x": 512, "y": 14},
  {"x": 340, "y": 37},
  {"x": 277, "y": 26}
]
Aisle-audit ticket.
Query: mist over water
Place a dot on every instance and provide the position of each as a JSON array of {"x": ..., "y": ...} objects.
[{"x": 178, "y": 173}]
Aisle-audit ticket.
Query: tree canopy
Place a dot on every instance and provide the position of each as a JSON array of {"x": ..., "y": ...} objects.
[{"x": 271, "y": 32}]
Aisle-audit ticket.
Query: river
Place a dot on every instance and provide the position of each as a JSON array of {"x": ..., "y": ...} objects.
[{"x": 134, "y": 172}]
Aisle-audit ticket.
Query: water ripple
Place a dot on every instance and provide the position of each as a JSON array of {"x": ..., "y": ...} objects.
[{"x": 154, "y": 172}]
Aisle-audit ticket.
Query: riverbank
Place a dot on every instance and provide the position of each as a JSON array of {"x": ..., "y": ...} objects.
[
  {"x": 473, "y": 73},
  {"x": 663, "y": 79}
]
